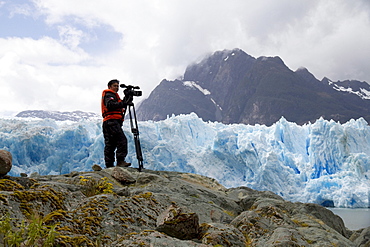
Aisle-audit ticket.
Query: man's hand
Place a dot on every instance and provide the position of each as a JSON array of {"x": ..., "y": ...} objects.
[{"x": 127, "y": 100}]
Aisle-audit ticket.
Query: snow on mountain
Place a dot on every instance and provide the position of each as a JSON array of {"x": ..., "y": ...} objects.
[
  {"x": 362, "y": 93},
  {"x": 323, "y": 162},
  {"x": 193, "y": 84},
  {"x": 361, "y": 89},
  {"x": 57, "y": 115}
]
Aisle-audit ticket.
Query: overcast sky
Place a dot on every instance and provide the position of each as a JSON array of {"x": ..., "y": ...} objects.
[{"x": 59, "y": 55}]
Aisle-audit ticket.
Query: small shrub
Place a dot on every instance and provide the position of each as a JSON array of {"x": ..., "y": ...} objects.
[
  {"x": 92, "y": 187},
  {"x": 31, "y": 233}
]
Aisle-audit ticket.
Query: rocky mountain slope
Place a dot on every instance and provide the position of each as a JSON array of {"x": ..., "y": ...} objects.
[
  {"x": 124, "y": 207},
  {"x": 234, "y": 87},
  {"x": 57, "y": 115}
]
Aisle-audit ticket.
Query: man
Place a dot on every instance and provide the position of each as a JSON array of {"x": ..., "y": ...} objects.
[{"x": 113, "y": 109}]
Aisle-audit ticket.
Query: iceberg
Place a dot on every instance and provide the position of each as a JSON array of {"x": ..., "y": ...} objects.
[{"x": 325, "y": 162}]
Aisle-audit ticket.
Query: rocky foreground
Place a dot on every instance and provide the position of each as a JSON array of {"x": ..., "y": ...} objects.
[{"x": 124, "y": 207}]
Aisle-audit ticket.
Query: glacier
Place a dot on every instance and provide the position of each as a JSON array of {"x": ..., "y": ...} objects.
[{"x": 324, "y": 162}]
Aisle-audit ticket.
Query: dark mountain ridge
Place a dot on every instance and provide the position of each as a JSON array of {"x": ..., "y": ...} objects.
[{"x": 234, "y": 87}]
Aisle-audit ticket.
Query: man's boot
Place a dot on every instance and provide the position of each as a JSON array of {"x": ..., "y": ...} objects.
[
  {"x": 123, "y": 163},
  {"x": 108, "y": 165}
]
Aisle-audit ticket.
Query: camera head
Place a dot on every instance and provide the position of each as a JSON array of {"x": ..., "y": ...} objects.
[{"x": 130, "y": 90}]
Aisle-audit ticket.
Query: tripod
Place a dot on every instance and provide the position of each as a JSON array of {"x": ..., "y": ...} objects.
[{"x": 135, "y": 132}]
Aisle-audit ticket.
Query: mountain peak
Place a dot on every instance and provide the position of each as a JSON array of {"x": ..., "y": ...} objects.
[
  {"x": 276, "y": 59},
  {"x": 306, "y": 75},
  {"x": 217, "y": 65}
]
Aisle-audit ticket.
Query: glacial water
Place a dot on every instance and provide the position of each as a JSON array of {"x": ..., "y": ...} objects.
[{"x": 354, "y": 218}]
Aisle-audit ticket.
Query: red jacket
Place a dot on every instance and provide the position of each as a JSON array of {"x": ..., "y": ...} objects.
[{"x": 107, "y": 114}]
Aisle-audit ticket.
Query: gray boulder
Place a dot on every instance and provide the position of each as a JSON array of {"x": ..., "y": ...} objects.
[
  {"x": 5, "y": 162},
  {"x": 122, "y": 176},
  {"x": 363, "y": 239},
  {"x": 218, "y": 234},
  {"x": 275, "y": 222},
  {"x": 96, "y": 168},
  {"x": 178, "y": 222},
  {"x": 282, "y": 236},
  {"x": 153, "y": 238}
]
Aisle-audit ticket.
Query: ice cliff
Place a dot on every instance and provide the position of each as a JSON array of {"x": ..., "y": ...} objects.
[{"x": 323, "y": 162}]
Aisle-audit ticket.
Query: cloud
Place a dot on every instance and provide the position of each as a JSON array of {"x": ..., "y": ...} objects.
[
  {"x": 87, "y": 43},
  {"x": 331, "y": 43},
  {"x": 41, "y": 51},
  {"x": 70, "y": 36}
]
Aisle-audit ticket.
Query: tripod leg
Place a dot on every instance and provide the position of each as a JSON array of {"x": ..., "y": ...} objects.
[
  {"x": 135, "y": 132},
  {"x": 139, "y": 155}
]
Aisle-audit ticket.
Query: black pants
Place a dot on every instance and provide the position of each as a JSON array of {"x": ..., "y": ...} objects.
[{"x": 114, "y": 138}]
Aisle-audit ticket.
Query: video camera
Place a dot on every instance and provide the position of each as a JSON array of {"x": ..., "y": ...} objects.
[{"x": 130, "y": 90}]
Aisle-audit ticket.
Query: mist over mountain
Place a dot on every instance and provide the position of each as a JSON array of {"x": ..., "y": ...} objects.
[{"x": 231, "y": 86}]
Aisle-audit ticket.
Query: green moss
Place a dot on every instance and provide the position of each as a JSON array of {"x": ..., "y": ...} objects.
[
  {"x": 142, "y": 221},
  {"x": 300, "y": 223},
  {"x": 3, "y": 199},
  {"x": 9, "y": 185},
  {"x": 55, "y": 216},
  {"x": 87, "y": 219},
  {"x": 75, "y": 241},
  {"x": 45, "y": 195},
  {"x": 230, "y": 213},
  {"x": 146, "y": 195},
  {"x": 35, "y": 185},
  {"x": 310, "y": 241},
  {"x": 179, "y": 218},
  {"x": 127, "y": 220},
  {"x": 65, "y": 229}
]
